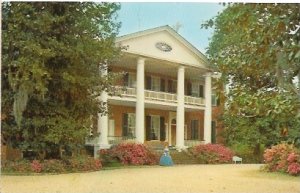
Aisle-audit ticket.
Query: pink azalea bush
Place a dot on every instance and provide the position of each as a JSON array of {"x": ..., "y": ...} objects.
[
  {"x": 283, "y": 158},
  {"x": 36, "y": 166},
  {"x": 130, "y": 154},
  {"x": 212, "y": 153},
  {"x": 75, "y": 164}
]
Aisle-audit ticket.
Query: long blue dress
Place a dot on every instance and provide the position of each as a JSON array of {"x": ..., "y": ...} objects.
[{"x": 165, "y": 159}]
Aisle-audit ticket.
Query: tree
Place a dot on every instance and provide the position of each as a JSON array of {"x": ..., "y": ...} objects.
[
  {"x": 257, "y": 50},
  {"x": 52, "y": 53}
]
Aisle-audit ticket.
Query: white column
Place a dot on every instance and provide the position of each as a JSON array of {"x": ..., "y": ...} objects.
[
  {"x": 207, "y": 113},
  {"x": 103, "y": 119},
  {"x": 140, "y": 103},
  {"x": 180, "y": 109}
]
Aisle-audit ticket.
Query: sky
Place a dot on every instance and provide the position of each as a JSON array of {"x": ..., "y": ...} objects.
[{"x": 140, "y": 16}]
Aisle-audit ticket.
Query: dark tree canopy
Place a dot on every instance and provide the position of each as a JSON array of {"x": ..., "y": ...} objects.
[
  {"x": 51, "y": 56},
  {"x": 256, "y": 47}
]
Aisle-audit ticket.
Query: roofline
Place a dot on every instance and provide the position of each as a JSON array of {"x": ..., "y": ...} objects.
[{"x": 173, "y": 32}]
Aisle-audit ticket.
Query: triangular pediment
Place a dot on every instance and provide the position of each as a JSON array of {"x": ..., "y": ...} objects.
[{"x": 163, "y": 43}]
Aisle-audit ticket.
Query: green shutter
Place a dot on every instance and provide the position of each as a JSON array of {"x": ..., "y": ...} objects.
[
  {"x": 213, "y": 132},
  {"x": 189, "y": 89},
  {"x": 201, "y": 93},
  {"x": 162, "y": 85},
  {"x": 125, "y": 125},
  {"x": 162, "y": 129},
  {"x": 148, "y": 82},
  {"x": 148, "y": 128},
  {"x": 170, "y": 86},
  {"x": 126, "y": 79}
]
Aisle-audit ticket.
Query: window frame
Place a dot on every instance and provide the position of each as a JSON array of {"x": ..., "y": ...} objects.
[{"x": 154, "y": 130}]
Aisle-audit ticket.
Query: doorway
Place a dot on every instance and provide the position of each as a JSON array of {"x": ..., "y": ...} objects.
[{"x": 173, "y": 134}]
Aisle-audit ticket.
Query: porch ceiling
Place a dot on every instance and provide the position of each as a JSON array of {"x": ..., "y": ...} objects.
[{"x": 156, "y": 66}]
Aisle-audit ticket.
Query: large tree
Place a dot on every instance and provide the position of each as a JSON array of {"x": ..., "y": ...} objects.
[
  {"x": 51, "y": 56},
  {"x": 256, "y": 47}
]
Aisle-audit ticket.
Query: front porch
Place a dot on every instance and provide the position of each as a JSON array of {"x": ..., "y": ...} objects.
[{"x": 160, "y": 126}]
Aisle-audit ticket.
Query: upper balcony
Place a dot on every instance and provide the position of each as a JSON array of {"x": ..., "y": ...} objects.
[{"x": 159, "y": 96}]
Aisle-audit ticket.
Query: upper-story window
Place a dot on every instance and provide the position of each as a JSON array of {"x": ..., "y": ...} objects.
[
  {"x": 172, "y": 86},
  {"x": 130, "y": 80},
  {"x": 155, "y": 83},
  {"x": 195, "y": 89}
]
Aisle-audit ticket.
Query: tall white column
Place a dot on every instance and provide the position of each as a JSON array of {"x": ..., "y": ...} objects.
[
  {"x": 207, "y": 113},
  {"x": 103, "y": 119},
  {"x": 180, "y": 109},
  {"x": 140, "y": 101}
]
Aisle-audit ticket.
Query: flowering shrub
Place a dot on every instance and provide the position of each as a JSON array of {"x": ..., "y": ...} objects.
[
  {"x": 283, "y": 158},
  {"x": 36, "y": 166},
  {"x": 53, "y": 165},
  {"x": 130, "y": 154},
  {"x": 84, "y": 164},
  {"x": 212, "y": 153},
  {"x": 16, "y": 166}
]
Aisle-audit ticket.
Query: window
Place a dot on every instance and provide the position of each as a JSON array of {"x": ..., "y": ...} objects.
[
  {"x": 194, "y": 129},
  {"x": 155, "y": 127},
  {"x": 131, "y": 80},
  {"x": 195, "y": 90},
  {"x": 131, "y": 124},
  {"x": 214, "y": 99},
  {"x": 155, "y": 83},
  {"x": 128, "y": 125}
]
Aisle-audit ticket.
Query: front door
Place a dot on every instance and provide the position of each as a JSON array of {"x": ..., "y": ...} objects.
[{"x": 173, "y": 135}]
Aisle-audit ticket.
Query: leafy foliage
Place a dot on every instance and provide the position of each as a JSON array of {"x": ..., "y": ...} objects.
[
  {"x": 52, "y": 53},
  {"x": 212, "y": 153},
  {"x": 256, "y": 47}
]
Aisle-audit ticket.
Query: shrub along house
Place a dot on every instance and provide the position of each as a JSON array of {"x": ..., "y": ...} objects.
[{"x": 168, "y": 97}]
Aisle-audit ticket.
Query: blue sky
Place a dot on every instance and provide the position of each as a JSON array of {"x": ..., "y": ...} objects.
[{"x": 140, "y": 16}]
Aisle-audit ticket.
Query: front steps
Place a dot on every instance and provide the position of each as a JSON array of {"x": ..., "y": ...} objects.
[{"x": 183, "y": 157}]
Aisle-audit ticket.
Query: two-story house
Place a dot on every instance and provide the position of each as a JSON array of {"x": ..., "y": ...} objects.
[{"x": 168, "y": 96}]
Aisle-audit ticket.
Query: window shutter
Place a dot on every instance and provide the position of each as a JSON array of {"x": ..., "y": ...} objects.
[
  {"x": 148, "y": 128},
  {"x": 170, "y": 86},
  {"x": 162, "y": 85},
  {"x": 201, "y": 94},
  {"x": 162, "y": 129},
  {"x": 189, "y": 89},
  {"x": 126, "y": 79},
  {"x": 218, "y": 101},
  {"x": 196, "y": 129},
  {"x": 125, "y": 125},
  {"x": 148, "y": 82}
]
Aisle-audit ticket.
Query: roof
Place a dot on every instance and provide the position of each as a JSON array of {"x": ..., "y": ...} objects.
[{"x": 172, "y": 32}]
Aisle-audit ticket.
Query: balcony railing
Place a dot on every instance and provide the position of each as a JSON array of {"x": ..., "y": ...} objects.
[
  {"x": 192, "y": 143},
  {"x": 158, "y": 96},
  {"x": 114, "y": 140},
  {"x": 193, "y": 100},
  {"x": 126, "y": 91}
]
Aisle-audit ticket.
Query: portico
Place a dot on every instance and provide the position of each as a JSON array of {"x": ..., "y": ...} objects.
[{"x": 170, "y": 80}]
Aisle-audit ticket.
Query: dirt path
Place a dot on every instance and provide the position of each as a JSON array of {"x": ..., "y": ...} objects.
[{"x": 182, "y": 178}]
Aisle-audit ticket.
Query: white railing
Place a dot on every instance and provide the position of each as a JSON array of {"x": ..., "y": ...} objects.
[
  {"x": 193, "y": 100},
  {"x": 114, "y": 140},
  {"x": 160, "y": 96},
  {"x": 126, "y": 91},
  {"x": 192, "y": 143}
]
